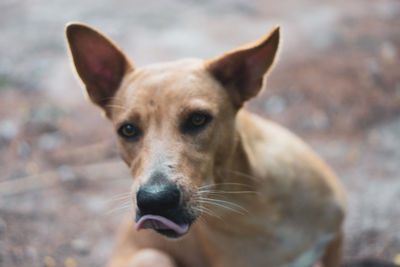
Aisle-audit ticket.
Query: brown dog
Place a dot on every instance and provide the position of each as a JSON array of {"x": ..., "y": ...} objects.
[{"x": 230, "y": 188}]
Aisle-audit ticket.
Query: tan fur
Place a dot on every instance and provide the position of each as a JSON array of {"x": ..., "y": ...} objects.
[{"x": 293, "y": 199}]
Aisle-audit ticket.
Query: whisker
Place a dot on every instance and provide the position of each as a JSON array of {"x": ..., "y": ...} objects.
[
  {"x": 219, "y": 184},
  {"x": 121, "y": 194},
  {"x": 127, "y": 197},
  {"x": 119, "y": 209},
  {"x": 224, "y": 192},
  {"x": 206, "y": 211},
  {"x": 116, "y": 205},
  {"x": 121, "y": 202},
  {"x": 120, "y": 199},
  {"x": 220, "y": 205},
  {"x": 225, "y": 202}
]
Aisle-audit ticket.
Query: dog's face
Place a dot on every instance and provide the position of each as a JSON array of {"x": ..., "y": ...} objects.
[{"x": 175, "y": 121}]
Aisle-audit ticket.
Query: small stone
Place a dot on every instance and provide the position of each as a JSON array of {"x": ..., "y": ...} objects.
[
  {"x": 8, "y": 129},
  {"x": 50, "y": 141},
  {"x": 32, "y": 168},
  {"x": 80, "y": 246},
  {"x": 95, "y": 204},
  {"x": 320, "y": 121},
  {"x": 49, "y": 261},
  {"x": 388, "y": 52},
  {"x": 66, "y": 173},
  {"x": 317, "y": 121},
  {"x": 325, "y": 40},
  {"x": 70, "y": 178},
  {"x": 275, "y": 104},
  {"x": 32, "y": 252},
  {"x": 374, "y": 69},
  {"x": 396, "y": 259},
  {"x": 24, "y": 150},
  {"x": 70, "y": 262},
  {"x": 46, "y": 113},
  {"x": 353, "y": 156}
]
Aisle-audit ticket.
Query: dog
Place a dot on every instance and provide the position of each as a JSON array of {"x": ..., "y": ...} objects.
[{"x": 213, "y": 184}]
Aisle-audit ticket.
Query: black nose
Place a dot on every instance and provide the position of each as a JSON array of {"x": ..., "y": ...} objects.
[{"x": 158, "y": 198}]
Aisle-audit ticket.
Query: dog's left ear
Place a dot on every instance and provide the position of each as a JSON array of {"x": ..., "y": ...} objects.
[
  {"x": 100, "y": 63},
  {"x": 241, "y": 71}
]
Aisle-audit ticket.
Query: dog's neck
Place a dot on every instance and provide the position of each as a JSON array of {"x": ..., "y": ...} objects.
[
  {"x": 235, "y": 183},
  {"x": 238, "y": 167}
]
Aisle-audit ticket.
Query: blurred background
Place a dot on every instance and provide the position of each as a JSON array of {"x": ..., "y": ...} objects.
[{"x": 336, "y": 84}]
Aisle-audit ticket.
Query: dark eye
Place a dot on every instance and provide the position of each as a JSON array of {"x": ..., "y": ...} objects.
[
  {"x": 129, "y": 131},
  {"x": 198, "y": 119},
  {"x": 195, "y": 122}
]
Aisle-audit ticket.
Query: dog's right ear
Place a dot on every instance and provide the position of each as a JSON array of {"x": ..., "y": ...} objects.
[
  {"x": 242, "y": 70},
  {"x": 100, "y": 63}
]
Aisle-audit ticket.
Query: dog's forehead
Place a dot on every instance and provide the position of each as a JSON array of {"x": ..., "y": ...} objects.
[{"x": 170, "y": 81}]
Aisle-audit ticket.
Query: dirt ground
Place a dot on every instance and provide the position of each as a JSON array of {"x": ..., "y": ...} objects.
[{"x": 337, "y": 85}]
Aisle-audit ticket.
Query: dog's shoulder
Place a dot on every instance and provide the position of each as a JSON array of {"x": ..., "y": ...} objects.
[
  {"x": 288, "y": 167},
  {"x": 271, "y": 146}
]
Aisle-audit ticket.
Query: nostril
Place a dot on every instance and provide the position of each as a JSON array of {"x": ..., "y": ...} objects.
[{"x": 157, "y": 198}]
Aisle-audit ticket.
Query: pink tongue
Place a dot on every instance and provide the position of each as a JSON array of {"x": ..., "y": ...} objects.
[{"x": 160, "y": 223}]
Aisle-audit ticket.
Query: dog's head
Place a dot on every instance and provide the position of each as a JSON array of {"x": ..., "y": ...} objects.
[{"x": 175, "y": 121}]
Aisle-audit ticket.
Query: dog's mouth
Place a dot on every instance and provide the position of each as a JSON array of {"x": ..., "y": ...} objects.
[{"x": 162, "y": 225}]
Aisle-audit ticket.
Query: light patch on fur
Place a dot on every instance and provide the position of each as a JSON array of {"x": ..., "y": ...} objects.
[{"x": 311, "y": 256}]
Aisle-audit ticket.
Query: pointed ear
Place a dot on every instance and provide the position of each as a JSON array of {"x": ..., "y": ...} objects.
[
  {"x": 100, "y": 63},
  {"x": 241, "y": 71}
]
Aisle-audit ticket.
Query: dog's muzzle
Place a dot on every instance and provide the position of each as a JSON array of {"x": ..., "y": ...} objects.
[{"x": 159, "y": 208}]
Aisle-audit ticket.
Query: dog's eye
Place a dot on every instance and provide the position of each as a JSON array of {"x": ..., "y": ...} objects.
[
  {"x": 195, "y": 122},
  {"x": 129, "y": 131},
  {"x": 198, "y": 119}
]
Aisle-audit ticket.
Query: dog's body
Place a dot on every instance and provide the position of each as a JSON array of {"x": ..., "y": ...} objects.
[{"x": 265, "y": 198}]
